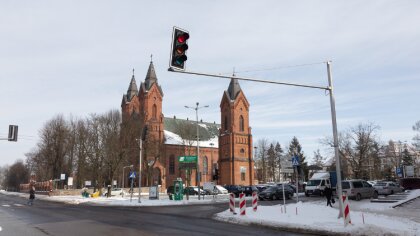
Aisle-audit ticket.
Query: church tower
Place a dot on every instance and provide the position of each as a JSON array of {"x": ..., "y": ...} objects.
[
  {"x": 150, "y": 96},
  {"x": 236, "y": 165}
]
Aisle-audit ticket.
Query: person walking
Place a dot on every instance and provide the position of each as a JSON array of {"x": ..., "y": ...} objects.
[
  {"x": 31, "y": 196},
  {"x": 328, "y": 195}
]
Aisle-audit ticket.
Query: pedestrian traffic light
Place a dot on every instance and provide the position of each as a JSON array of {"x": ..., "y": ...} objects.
[{"x": 179, "y": 49}]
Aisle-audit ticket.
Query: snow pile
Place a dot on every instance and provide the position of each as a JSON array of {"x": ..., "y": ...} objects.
[{"x": 322, "y": 219}]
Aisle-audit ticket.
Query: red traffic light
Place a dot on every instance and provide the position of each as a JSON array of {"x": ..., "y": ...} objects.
[
  {"x": 179, "y": 49},
  {"x": 183, "y": 37}
]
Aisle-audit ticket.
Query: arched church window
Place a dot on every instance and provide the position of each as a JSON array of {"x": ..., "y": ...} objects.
[
  {"x": 241, "y": 123},
  {"x": 154, "y": 111},
  {"x": 171, "y": 164},
  {"x": 205, "y": 165}
]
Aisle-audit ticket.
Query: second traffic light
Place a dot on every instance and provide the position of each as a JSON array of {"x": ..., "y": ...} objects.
[{"x": 179, "y": 48}]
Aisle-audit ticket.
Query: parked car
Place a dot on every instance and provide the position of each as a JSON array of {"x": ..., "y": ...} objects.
[
  {"x": 191, "y": 190},
  {"x": 262, "y": 187},
  {"x": 358, "y": 189},
  {"x": 410, "y": 183},
  {"x": 220, "y": 190},
  {"x": 387, "y": 187},
  {"x": 235, "y": 189},
  {"x": 276, "y": 192},
  {"x": 248, "y": 190}
]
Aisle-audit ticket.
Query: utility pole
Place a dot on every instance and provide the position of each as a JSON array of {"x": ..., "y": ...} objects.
[{"x": 141, "y": 147}]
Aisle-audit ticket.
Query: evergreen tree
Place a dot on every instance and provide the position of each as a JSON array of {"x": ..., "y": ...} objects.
[
  {"x": 272, "y": 162},
  {"x": 407, "y": 160},
  {"x": 279, "y": 155},
  {"x": 295, "y": 149}
]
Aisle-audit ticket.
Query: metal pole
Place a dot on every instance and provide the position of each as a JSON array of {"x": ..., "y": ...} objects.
[
  {"x": 335, "y": 136},
  {"x": 297, "y": 185},
  {"x": 141, "y": 144},
  {"x": 198, "y": 153}
]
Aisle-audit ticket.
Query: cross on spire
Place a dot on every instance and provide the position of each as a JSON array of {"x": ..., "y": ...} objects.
[{"x": 151, "y": 58}]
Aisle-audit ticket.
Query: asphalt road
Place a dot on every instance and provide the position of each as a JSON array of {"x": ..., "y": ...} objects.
[{"x": 49, "y": 218}]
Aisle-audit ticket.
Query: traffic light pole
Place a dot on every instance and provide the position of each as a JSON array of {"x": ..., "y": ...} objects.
[{"x": 333, "y": 114}]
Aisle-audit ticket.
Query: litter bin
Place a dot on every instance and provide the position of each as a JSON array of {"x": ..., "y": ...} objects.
[{"x": 178, "y": 190}]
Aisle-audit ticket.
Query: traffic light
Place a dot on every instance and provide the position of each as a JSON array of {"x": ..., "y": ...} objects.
[
  {"x": 13, "y": 133},
  {"x": 179, "y": 48}
]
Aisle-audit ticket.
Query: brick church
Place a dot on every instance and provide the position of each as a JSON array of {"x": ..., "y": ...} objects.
[{"x": 225, "y": 152}]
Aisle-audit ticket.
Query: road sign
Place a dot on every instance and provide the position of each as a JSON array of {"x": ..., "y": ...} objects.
[
  {"x": 132, "y": 175},
  {"x": 295, "y": 161},
  {"x": 187, "y": 159},
  {"x": 399, "y": 172}
]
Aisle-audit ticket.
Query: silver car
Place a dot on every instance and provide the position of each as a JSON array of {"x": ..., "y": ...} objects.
[
  {"x": 387, "y": 188},
  {"x": 358, "y": 189}
]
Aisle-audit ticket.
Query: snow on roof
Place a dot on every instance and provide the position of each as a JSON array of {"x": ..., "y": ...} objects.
[{"x": 172, "y": 138}]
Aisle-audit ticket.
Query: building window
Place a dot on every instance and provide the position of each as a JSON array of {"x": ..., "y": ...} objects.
[
  {"x": 154, "y": 111},
  {"x": 241, "y": 124},
  {"x": 243, "y": 173},
  {"x": 172, "y": 165},
  {"x": 205, "y": 165},
  {"x": 226, "y": 123}
]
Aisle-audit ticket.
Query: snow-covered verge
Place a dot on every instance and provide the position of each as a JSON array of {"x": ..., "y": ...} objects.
[
  {"x": 126, "y": 200},
  {"x": 315, "y": 217}
]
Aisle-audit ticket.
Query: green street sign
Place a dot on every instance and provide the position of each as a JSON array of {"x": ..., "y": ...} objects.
[{"x": 187, "y": 159}]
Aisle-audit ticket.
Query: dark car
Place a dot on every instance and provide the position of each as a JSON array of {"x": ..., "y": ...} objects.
[
  {"x": 235, "y": 189},
  {"x": 191, "y": 190},
  {"x": 276, "y": 192},
  {"x": 262, "y": 187},
  {"x": 248, "y": 190},
  {"x": 410, "y": 183}
]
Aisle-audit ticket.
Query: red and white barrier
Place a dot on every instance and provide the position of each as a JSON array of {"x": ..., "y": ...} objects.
[
  {"x": 346, "y": 211},
  {"x": 232, "y": 202},
  {"x": 242, "y": 204},
  {"x": 254, "y": 201}
]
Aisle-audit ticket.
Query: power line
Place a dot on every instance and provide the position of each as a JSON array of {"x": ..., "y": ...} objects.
[{"x": 276, "y": 68}]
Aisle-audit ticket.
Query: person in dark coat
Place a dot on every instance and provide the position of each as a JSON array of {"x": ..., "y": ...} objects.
[
  {"x": 31, "y": 196},
  {"x": 328, "y": 195}
]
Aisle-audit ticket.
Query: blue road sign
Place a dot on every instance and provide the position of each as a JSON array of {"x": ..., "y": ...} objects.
[
  {"x": 132, "y": 175},
  {"x": 399, "y": 171},
  {"x": 295, "y": 161}
]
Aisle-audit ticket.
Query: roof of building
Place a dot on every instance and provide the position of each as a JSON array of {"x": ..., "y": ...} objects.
[
  {"x": 180, "y": 132},
  {"x": 234, "y": 88}
]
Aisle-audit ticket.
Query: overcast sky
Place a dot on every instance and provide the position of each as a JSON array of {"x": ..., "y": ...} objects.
[{"x": 76, "y": 58}]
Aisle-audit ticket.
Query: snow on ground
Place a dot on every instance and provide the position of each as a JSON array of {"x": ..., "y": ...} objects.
[
  {"x": 317, "y": 217},
  {"x": 314, "y": 216}
]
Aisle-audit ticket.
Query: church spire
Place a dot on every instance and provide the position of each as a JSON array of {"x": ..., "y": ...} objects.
[
  {"x": 132, "y": 88},
  {"x": 151, "y": 76},
  {"x": 234, "y": 88}
]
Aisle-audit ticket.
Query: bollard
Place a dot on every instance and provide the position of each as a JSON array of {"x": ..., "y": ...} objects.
[
  {"x": 232, "y": 203},
  {"x": 242, "y": 204},
  {"x": 254, "y": 201},
  {"x": 346, "y": 211}
]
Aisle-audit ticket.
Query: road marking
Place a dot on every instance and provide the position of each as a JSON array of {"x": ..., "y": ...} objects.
[
  {"x": 6, "y": 205},
  {"x": 17, "y": 204}
]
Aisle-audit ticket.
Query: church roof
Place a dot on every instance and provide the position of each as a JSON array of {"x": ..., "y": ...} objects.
[
  {"x": 132, "y": 89},
  {"x": 151, "y": 78},
  {"x": 179, "y": 130},
  {"x": 234, "y": 88}
]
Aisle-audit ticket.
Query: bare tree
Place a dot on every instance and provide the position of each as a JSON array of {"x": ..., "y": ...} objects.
[
  {"x": 261, "y": 159},
  {"x": 318, "y": 160}
]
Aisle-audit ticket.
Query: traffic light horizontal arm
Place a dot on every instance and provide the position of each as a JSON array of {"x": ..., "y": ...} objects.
[{"x": 250, "y": 79}]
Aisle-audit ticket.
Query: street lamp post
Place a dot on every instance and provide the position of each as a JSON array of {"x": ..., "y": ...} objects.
[
  {"x": 131, "y": 166},
  {"x": 198, "y": 146}
]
